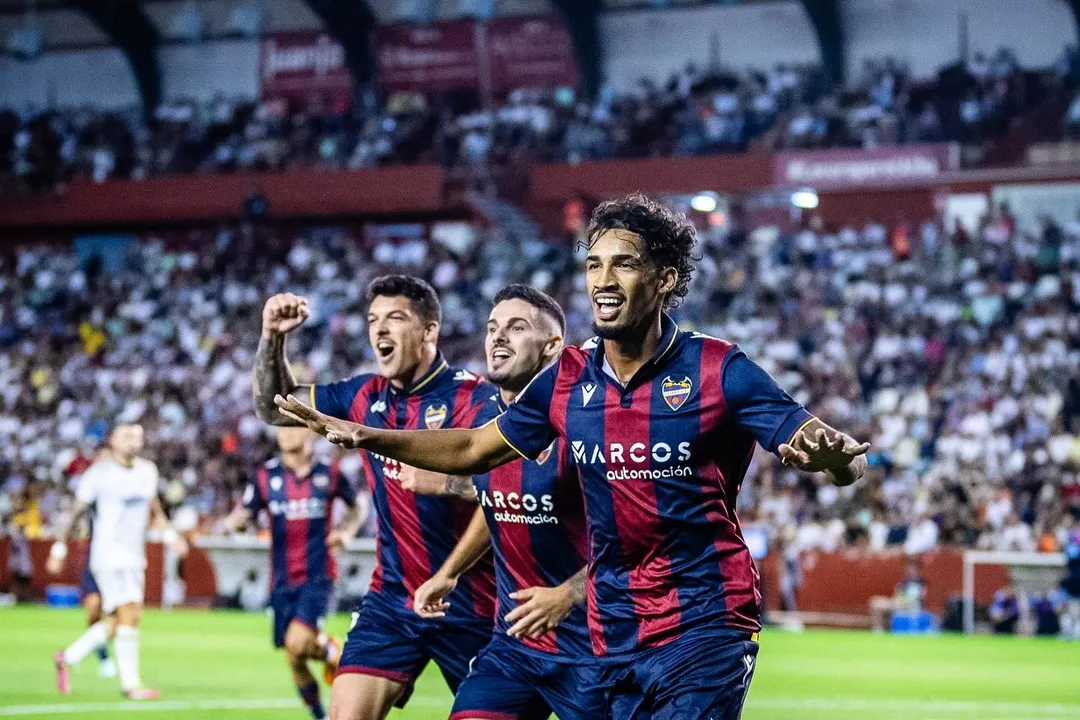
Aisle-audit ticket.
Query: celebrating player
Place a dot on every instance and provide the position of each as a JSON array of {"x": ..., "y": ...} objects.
[
  {"x": 298, "y": 492},
  {"x": 531, "y": 512},
  {"x": 389, "y": 644},
  {"x": 661, "y": 425},
  {"x": 123, "y": 489}
]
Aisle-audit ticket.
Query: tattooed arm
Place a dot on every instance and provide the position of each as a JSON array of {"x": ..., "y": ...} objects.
[{"x": 272, "y": 375}]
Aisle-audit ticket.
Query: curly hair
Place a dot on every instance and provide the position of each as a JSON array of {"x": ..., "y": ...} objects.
[
  {"x": 669, "y": 237},
  {"x": 422, "y": 297}
]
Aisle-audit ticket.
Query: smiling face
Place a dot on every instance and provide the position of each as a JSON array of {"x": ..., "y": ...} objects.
[
  {"x": 626, "y": 289},
  {"x": 398, "y": 336},
  {"x": 520, "y": 341}
]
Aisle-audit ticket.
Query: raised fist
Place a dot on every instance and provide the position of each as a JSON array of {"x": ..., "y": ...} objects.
[{"x": 283, "y": 313}]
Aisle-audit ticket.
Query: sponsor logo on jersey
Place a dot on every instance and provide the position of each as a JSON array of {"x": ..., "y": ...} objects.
[
  {"x": 520, "y": 508},
  {"x": 667, "y": 460},
  {"x": 435, "y": 416},
  {"x": 298, "y": 508},
  {"x": 587, "y": 391},
  {"x": 676, "y": 392}
]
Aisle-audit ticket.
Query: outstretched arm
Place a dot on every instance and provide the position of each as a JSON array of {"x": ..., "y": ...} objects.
[
  {"x": 58, "y": 552},
  {"x": 816, "y": 447},
  {"x": 453, "y": 451},
  {"x": 272, "y": 375}
]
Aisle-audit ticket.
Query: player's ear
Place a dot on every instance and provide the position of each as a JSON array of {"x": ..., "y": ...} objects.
[
  {"x": 552, "y": 348},
  {"x": 431, "y": 332},
  {"x": 667, "y": 279}
]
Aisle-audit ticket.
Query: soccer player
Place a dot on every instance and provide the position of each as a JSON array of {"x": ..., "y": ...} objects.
[
  {"x": 539, "y": 659},
  {"x": 91, "y": 601},
  {"x": 123, "y": 490},
  {"x": 389, "y": 645},
  {"x": 298, "y": 493},
  {"x": 661, "y": 425}
]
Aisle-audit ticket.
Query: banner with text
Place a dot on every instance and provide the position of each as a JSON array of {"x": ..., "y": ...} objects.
[
  {"x": 853, "y": 169},
  {"x": 507, "y": 53},
  {"x": 303, "y": 66}
]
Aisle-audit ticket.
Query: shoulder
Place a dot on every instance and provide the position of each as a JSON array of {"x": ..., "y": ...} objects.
[
  {"x": 709, "y": 342},
  {"x": 462, "y": 379},
  {"x": 489, "y": 408}
]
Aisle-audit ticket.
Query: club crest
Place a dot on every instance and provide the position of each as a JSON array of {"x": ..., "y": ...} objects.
[
  {"x": 676, "y": 392},
  {"x": 435, "y": 416},
  {"x": 543, "y": 456},
  {"x": 275, "y": 483}
]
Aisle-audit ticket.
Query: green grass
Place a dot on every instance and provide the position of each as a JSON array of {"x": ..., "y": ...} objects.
[{"x": 217, "y": 658}]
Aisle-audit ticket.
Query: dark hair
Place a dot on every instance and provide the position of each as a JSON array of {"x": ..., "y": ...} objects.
[
  {"x": 421, "y": 296},
  {"x": 541, "y": 301},
  {"x": 669, "y": 237}
]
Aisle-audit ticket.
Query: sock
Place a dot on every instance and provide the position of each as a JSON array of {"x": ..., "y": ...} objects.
[
  {"x": 310, "y": 695},
  {"x": 95, "y": 636},
  {"x": 103, "y": 652},
  {"x": 327, "y": 651},
  {"x": 126, "y": 646}
]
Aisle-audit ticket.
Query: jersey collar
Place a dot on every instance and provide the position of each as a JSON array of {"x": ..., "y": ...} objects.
[
  {"x": 428, "y": 380},
  {"x": 670, "y": 336}
]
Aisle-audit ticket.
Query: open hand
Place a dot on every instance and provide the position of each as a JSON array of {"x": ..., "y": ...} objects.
[
  {"x": 340, "y": 432},
  {"x": 429, "y": 601},
  {"x": 824, "y": 450},
  {"x": 541, "y": 609}
]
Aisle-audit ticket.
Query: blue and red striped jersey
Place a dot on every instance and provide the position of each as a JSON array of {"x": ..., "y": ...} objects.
[
  {"x": 415, "y": 532},
  {"x": 661, "y": 461},
  {"x": 536, "y": 517},
  {"x": 300, "y": 511}
]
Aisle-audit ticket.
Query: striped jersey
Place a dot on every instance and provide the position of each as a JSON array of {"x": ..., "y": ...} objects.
[
  {"x": 300, "y": 510},
  {"x": 415, "y": 533},
  {"x": 661, "y": 460},
  {"x": 536, "y": 518}
]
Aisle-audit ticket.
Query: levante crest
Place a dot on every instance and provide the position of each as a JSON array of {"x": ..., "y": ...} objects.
[
  {"x": 542, "y": 457},
  {"x": 435, "y": 416},
  {"x": 676, "y": 392}
]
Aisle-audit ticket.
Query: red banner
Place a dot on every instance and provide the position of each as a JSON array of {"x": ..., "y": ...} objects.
[
  {"x": 531, "y": 52},
  {"x": 505, "y": 54},
  {"x": 428, "y": 58},
  {"x": 853, "y": 169},
  {"x": 299, "y": 66}
]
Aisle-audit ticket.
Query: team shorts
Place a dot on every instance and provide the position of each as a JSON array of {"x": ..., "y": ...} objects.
[
  {"x": 87, "y": 584},
  {"x": 396, "y": 644},
  {"x": 512, "y": 683},
  {"x": 119, "y": 587},
  {"x": 306, "y": 604},
  {"x": 703, "y": 675}
]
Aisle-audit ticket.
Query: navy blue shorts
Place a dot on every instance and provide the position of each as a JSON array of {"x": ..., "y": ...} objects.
[
  {"x": 703, "y": 675},
  {"x": 509, "y": 682},
  {"x": 87, "y": 583},
  {"x": 397, "y": 644},
  {"x": 306, "y": 604}
]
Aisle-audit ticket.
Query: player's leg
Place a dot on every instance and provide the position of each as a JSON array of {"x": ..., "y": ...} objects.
[
  {"x": 574, "y": 691},
  {"x": 301, "y": 645},
  {"x": 312, "y": 607},
  {"x": 91, "y": 601},
  {"x": 123, "y": 594},
  {"x": 381, "y": 659},
  {"x": 453, "y": 647},
  {"x": 701, "y": 677},
  {"x": 95, "y": 636},
  {"x": 501, "y": 684}
]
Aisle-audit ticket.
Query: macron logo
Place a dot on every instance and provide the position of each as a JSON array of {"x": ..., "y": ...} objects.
[{"x": 587, "y": 393}]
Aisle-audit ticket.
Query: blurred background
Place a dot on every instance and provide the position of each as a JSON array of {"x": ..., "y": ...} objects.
[{"x": 887, "y": 194}]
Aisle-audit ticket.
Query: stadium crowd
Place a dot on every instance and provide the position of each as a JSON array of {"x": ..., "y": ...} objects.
[
  {"x": 696, "y": 112},
  {"x": 954, "y": 352}
]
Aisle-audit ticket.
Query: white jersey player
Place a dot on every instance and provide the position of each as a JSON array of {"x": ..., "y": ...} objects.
[{"x": 122, "y": 488}]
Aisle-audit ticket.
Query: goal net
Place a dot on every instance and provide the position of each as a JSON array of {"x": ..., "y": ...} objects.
[{"x": 1033, "y": 573}]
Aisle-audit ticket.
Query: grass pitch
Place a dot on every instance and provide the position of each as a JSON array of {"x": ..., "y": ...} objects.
[{"x": 220, "y": 666}]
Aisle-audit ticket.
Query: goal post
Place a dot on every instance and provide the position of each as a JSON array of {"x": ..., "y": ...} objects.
[{"x": 1032, "y": 572}]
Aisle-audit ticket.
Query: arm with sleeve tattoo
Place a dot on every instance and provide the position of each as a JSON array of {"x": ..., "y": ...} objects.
[{"x": 271, "y": 374}]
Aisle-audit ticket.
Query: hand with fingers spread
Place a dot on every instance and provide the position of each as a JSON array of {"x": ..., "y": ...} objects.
[
  {"x": 429, "y": 601},
  {"x": 540, "y": 611},
  {"x": 340, "y": 432},
  {"x": 283, "y": 313},
  {"x": 822, "y": 449}
]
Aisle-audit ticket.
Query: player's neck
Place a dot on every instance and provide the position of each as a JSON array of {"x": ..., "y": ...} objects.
[
  {"x": 427, "y": 358},
  {"x": 507, "y": 395},
  {"x": 628, "y": 353},
  {"x": 301, "y": 470},
  {"x": 125, "y": 461}
]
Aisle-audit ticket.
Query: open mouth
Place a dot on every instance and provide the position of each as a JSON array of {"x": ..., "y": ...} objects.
[
  {"x": 500, "y": 356},
  {"x": 384, "y": 349},
  {"x": 607, "y": 306}
]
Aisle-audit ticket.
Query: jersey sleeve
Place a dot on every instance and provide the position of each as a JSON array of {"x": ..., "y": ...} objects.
[
  {"x": 343, "y": 486},
  {"x": 336, "y": 399},
  {"x": 526, "y": 425},
  {"x": 87, "y": 488},
  {"x": 253, "y": 500},
  {"x": 757, "y": 404}
]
